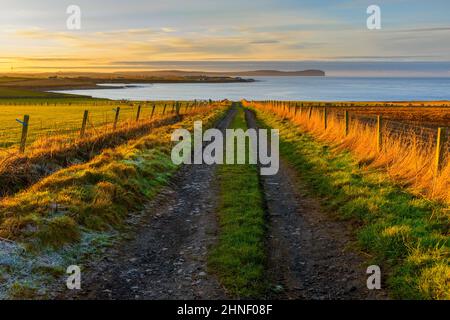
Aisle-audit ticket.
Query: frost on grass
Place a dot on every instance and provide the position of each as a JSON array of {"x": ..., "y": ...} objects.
[{"x": 26, "y": 275}]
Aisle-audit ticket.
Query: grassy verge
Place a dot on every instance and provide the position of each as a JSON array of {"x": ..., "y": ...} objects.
[
  {"x": 18, "y": 171},
  {"x": 408, "y": 235},
  {"x": 239, "y": 256},
  {"x": 56, "y": 151},
  {"x": 407, "y": 156},
  {"x": 70, "y": 214}
]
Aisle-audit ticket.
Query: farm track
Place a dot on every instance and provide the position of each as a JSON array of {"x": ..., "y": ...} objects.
[
  {"x": 310, "y": 255},
  {"x": 167, "y": 257},
  {"x": 309, "y": 252},
  {"x": 20, "y": 172}
]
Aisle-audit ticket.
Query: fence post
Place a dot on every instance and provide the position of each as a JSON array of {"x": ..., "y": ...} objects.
[
  {"x": 83, "y": 124},
  {"x": 379, "y": 133},
  {"x": 153, "y": 111},
  {"x": 138, "y": 113},
  {"x": 440, "y": 144},
  {"x": 177, "y": 108},
  {"x": 310, "y": 112},
  {"x": 325, "y": 118},
  {"x": 164, "y": 110},
  {"x": 23, "y": 139},
  {"x": 346, "y": 123},
  {"x": 116, "y": 118},
  {"x": 173, "y": 108}
]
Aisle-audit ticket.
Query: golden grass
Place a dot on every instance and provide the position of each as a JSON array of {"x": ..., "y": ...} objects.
[
  {"x": 97, "y": 194},
  {"x": 49, "y": 154},
  {"x": 406, "y": 160}
]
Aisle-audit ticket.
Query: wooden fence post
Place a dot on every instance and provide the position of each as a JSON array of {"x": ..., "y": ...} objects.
[
  {"x": 346, "y": 123},
  {"x": 177, "y": 108},
  {"x": 310, "y": 112},
  {"x": 325, "y": 118},
  {"x": 379, "y": 133},
  {"x": 440, "y": 145},
  {"x": 153, "y": 111},
  {"x": 138, "y": 113},
  {"x": 83, "y": 124},
  {"x": 116, "y": 118},
  {"x": 164, "y": 109},
  {"x": 23, "y": 139}
]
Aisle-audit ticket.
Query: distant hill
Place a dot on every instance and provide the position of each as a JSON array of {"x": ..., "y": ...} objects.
[
  {"x": 260, "y": 73},
  {"x": 167, "y": 73},
  {"x": 89, "y": 80}
]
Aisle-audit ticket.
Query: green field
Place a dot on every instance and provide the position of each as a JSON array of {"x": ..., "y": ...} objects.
[{"x": 49, "y": 117}]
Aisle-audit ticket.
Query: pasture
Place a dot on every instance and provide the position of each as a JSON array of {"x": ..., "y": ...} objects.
[{"x": 51, "y": 118}]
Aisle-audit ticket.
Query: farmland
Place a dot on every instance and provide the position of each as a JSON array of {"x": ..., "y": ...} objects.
[
  {"x": 231, "y": 230},
  {"x": 65, "y": 118}
]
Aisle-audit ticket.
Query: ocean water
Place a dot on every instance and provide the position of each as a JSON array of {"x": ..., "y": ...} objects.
[{"x": 287, "y": 88}]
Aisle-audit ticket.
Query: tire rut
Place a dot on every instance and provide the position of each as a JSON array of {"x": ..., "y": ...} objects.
[
  {"x": 310, "y": 255},
  {"x": 167, "y": 257}
]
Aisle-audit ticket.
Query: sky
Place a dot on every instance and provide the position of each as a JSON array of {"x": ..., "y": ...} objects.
[{"x": 117, "y": 35}]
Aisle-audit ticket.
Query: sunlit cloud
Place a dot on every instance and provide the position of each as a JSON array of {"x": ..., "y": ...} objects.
[
  {"x": 34, "y": 36},
  {"x": 168, "y": 30}
]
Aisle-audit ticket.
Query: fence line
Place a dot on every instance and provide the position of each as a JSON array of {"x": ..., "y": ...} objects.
[
  {"x": 437, "y": 138},
  {"x": 86, "y": 126}
]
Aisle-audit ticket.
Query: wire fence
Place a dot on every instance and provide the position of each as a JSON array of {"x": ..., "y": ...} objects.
[
  {"x": 422, "y": 134},
  {"x": 427, "y": 135},
  {"x": 44, "y": 122}
]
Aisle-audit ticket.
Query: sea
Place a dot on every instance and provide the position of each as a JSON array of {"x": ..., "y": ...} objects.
[{"x": 286, "y": 88}]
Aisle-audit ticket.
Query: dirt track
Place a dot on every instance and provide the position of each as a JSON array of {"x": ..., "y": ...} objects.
[
  {"x": 308, "y": 251},
  {"x": 167, "y": 257}
]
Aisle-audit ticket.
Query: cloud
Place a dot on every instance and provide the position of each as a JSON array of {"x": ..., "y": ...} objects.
[
  {"x": 264, "y": 42},
  {"x": 213, "y": 30},
  {"x": 381, "y": 57},
  {"x": 432, "y": 29},
  {"x": 47, "y": 59},
  {"x": 127, "y": 32},
  {"x": 168, "y": 30}
]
